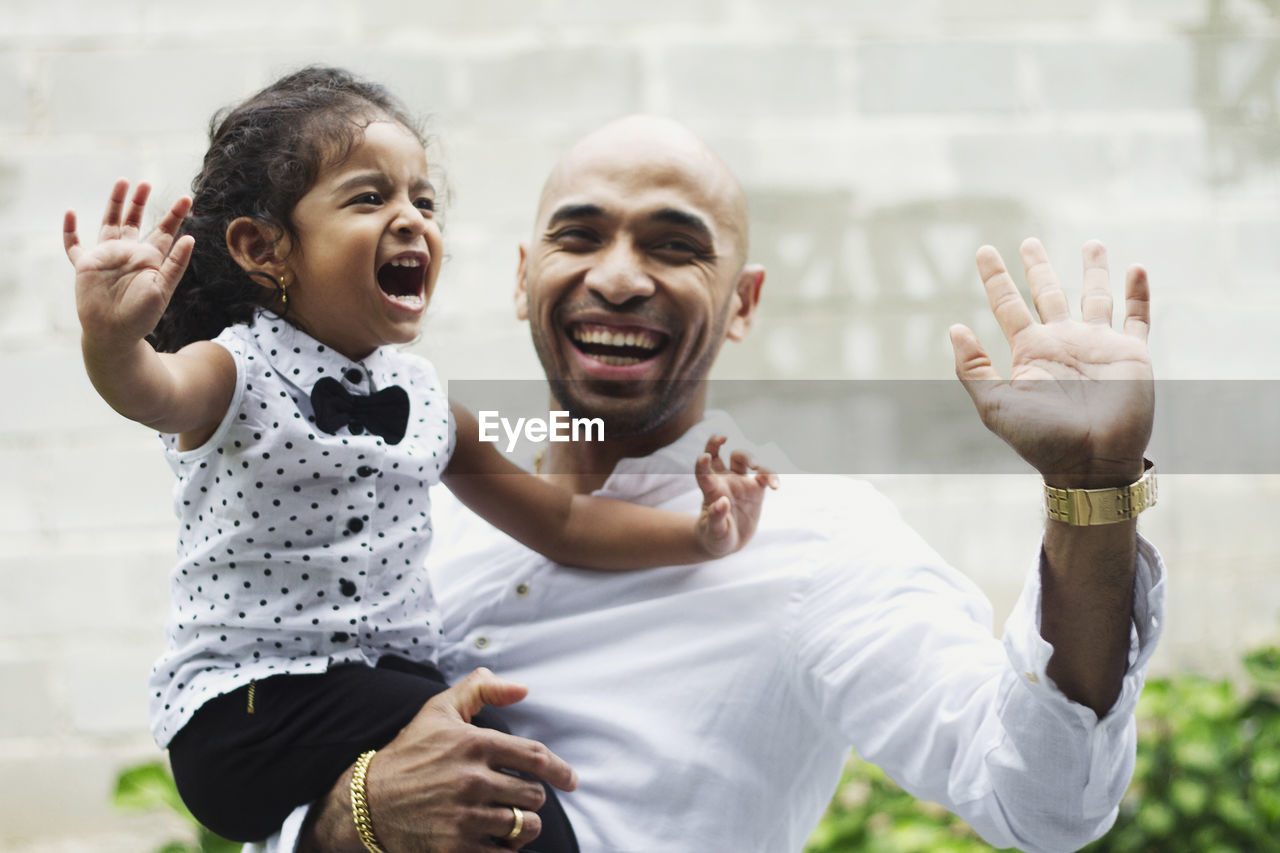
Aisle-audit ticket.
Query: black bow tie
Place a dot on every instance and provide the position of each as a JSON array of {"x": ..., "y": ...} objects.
[{"x": 384, "y": 413}]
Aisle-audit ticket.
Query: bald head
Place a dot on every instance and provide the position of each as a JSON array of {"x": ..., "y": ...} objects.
[
  {"x": 635, "y": 276},
  {"x": 657, "y": 153}
]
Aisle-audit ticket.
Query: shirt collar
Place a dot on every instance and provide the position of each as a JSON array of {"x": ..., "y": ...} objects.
[
  {"x": 668, "y": 471},
  {"x": 302, "y": 360}
]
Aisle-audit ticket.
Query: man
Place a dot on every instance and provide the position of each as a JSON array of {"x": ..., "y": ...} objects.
[{"x": 712, "y": 707}]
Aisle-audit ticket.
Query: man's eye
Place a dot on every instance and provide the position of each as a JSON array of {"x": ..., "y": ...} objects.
[
  {"x": 678, "y": 251},
  {"x": 575, "y": 238}
]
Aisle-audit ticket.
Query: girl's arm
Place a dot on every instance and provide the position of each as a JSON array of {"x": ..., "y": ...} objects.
[
  {"x": 600, "y": 533},
  {"x": 123, "y": 285}
]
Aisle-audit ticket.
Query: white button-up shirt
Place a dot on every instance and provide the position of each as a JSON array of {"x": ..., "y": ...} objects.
[{"x": 712, "y": 707}]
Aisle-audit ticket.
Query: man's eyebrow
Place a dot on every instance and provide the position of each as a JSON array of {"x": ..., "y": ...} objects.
[
  {"x": 684, "y": 219},
  {"x": 574, "y": 211},
  {"x": 669, "y": 215}
]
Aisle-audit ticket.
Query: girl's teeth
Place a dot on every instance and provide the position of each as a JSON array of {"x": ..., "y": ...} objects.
[{"x": 409, "y": 300}]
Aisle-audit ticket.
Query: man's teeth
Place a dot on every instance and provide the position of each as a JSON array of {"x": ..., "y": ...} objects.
[
  {"x": 617, "y": 360},
  {"x": 642, "y": 338}
]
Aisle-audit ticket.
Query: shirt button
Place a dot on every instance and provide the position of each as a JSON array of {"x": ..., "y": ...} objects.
[
  {"x": 1032, "y": 677},
  {"x": 481, "y": 642},
  {"x": 522, "y": 590},
  {"x": 366, "y": 471},
  {"x": 354, "y": 376},
  {"x": 355, "y": 525}
]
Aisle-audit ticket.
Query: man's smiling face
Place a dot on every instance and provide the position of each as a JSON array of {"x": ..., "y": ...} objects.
[{"x": 633, "y": 277}]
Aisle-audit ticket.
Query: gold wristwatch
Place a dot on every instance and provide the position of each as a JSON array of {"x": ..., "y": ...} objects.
[{"x": 1084, "y": 507}]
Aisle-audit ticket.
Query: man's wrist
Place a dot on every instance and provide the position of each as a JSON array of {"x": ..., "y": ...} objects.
[
  {"x": 329, "y": 827},
  {"x": 1086, "y": 507}
]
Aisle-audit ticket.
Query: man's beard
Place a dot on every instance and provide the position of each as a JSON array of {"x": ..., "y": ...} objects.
[{"x": 647, "y": 414}]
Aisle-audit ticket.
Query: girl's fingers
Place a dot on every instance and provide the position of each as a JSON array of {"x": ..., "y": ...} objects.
[
  {"x": 162, "y": 237},
  {"x": 70, "y": 239},
  {"x": 115, "y": 204},
  {"x": 713, "y": 449},
  {"x": 133, "y": 218},
  {"x": 175, "y": 263}
]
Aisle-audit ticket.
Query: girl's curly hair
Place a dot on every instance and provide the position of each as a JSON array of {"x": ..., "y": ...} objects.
[{"x": 264, "y": 155}]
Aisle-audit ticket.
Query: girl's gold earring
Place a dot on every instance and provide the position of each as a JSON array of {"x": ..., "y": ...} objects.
[{"x": 284, "y": 297}]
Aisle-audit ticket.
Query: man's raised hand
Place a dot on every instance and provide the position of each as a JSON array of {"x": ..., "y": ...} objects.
[{"x": 1079, "y": 401}]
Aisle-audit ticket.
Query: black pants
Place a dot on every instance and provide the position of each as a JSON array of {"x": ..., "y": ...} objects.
[{"x": 241, "y": 774}]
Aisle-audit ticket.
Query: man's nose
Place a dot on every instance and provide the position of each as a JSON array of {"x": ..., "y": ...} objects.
[{"x": 618, "y": 275}]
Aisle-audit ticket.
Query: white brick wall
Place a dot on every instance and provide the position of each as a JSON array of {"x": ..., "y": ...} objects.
[{"x": 879, "y": 142}]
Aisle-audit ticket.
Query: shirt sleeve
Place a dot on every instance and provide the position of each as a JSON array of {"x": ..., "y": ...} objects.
[{"x": 895, "y": 648}]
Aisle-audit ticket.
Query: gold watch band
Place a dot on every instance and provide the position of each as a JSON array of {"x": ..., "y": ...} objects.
[{"x": 1085, "y": 507}]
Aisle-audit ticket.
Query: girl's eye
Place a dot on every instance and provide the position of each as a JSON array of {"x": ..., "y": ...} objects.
[
  {"x": 367, "y": 198},
  {"x": 426, "y": 205}
]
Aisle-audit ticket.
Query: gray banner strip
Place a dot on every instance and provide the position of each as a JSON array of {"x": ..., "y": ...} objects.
[{"x": 931, "y": 427}]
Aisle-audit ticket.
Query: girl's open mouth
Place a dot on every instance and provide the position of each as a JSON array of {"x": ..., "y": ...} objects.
[{"x": 403, "y": 279}]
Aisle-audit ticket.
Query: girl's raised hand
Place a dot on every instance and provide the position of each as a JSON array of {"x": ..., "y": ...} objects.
[
  {"x": 732, "y": 497},
  {"x": 124, "y": 283}
]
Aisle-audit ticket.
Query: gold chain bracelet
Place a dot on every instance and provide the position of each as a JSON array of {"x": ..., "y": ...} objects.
[{"x": 360, "y": 803}]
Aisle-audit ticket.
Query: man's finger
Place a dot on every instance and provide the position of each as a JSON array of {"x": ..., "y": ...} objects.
[
  {"x": 530, "y": 757},
  {"x": 531, "y": 828},
  {"x": 511, "y": 790},
  {"x": 1046, "y": 292},
  {"x": 1095, "y": 300},
  {"x": 1137, "y": 303},
  {"x": 973, "y": 368},
  {"x": 1006, "y": 302},
  {"x": 478, "y": 689}
]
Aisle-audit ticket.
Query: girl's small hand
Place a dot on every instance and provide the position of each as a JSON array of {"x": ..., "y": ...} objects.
[
  {"x": 124, "y": 283},
  {"x": 731, "y": 498}
]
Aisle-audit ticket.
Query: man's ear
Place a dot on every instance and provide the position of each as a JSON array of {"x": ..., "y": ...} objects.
[
  {"x": 257, "y": 247},
  {"x": 746, "y": 296},
  {"x": 522, "y": 287}
]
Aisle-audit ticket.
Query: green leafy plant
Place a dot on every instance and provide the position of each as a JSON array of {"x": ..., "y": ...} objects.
[
  {"x": 1207, "y": 780},
  {"x": 147, "y": 787}
]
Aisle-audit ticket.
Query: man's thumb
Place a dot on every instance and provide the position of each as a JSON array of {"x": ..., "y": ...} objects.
[{"x": 482, "y": 688}]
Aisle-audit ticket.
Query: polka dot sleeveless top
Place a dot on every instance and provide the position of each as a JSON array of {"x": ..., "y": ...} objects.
[{"x": 299, "y": 549}]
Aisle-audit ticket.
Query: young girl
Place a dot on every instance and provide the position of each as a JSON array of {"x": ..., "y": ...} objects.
[{"x": 303, "y": 631}]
